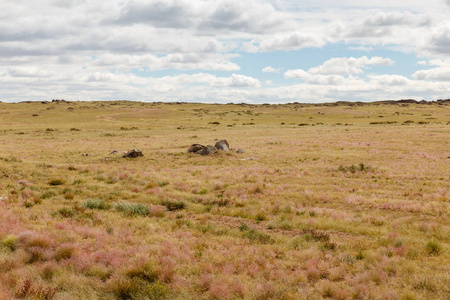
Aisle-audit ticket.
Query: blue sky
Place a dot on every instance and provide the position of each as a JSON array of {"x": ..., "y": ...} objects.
[{"x": 221, "y": 51}]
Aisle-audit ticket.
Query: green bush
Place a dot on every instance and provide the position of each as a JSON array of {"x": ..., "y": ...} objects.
[
  {"x": 48, "y": 194},
  {"x": 138, "y": 288},
  {"x": 433, "y": 247},
  {"x": 66, "y": 212},
  {"x": 354, "y": 168},
  {"x": 11, "y": 242},
  {"x": 138, "y": 209},
  {"x": 259, "y": 237},
  {"x": 56, "y": 182},
  {"x": 96, "y": 204},
  {"x": 173, "y": 205}
]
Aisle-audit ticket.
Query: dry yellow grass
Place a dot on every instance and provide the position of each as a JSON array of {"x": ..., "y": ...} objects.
[{"x": 328, "y": 201}]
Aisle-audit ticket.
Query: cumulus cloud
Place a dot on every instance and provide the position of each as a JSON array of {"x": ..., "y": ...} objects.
[
  {"x": 269, "y": 69},
  {"x": 439, "y": 40},
  {"x": 435, "y": 74},
  {"x": 340, "y": 66},
  {"x": 390, "y": 80},
  {"x": 393, "y": 18},
  {"x": 112, "y": 49},
  {"x": 179, "y": 61},
  {"x": 237, "y": 80},
  {"x": 383, "y": 27},
  {"x": 361, "y": 48},
  {"x": 205, "y": 16},
  {"x": 290, "y": 41},
  {"x": 170, "y": 14}
]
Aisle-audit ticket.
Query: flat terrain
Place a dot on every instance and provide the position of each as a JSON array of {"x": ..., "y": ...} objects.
[{"x": 340, "y": 201}]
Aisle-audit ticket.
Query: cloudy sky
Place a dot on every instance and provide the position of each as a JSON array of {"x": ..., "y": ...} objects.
[{"x": 255, "y": 51}]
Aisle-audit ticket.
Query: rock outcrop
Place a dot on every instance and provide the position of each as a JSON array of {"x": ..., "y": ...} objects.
[
  {"x": 196, "y": 148},
  {"x": 222, "y": 145},
  {"x": 208, "y": 150},
  {"x": 133, "y": 153},
  {"x": 202, "y": 150}
]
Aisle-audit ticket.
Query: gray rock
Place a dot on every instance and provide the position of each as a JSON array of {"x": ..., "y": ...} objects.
[
  {"x": 222, "y": 145},
  {"x": 240, "y": 151},
  {"x": 133, "y": 153},
  {"x": 196, "y": 148},
  {"x": 208, "y": 150}
]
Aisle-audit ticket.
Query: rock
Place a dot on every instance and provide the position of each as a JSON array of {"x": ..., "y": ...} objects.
[
  {"x": 133, "y": 153},
  {"x": 240, "y": 151},
  {"x": 222, "y": 145},
  {"x": 250, "y": 158},
  {"x": 114, "y": 152},
  {"x": 85, "y": 154},
  {"x": 196, "y": 148},
  {"x": 208, "y": 150}
]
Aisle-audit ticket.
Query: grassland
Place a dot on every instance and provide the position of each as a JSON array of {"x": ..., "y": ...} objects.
[{"x": 328, "y": 201}]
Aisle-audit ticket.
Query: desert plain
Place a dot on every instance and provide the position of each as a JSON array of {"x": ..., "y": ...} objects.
[{"x": 339, "y": 200}]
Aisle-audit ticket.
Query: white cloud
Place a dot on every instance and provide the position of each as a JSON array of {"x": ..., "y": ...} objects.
[
  {"x": 361, "y": 48},
  {"x": 393, "y": 18},
  {"x": 205, "y": 16},
  {"x": 241, "y": 81},
  {"x": 179, "y": 61},
  {"x": 92, "y": 49},
  {"x": 341, "y": 66},
  {"x": 438, "y": 42},
  {"x": 390, "y": 80},
  {"x": 290, "y": 41},
  {"x": 269, "y": 69},
  {"x": 441, "y": 74}
]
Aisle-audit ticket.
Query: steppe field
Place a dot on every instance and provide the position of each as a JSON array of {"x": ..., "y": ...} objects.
[{"x": 339, "y": 201}]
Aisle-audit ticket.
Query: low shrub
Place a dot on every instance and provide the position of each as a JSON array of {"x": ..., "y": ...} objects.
[
  {"x": 64, "y": 252},
  {"x": 11, "y": 242},
  {"x": 137, "y": 209},
  {"x": 96, "y": 204},
  {"x": 138, "y": 288},
  {"x": 48, "y": 194},
  {"x": 29, "y": 290},
  {"x": 173, "y": 204},
  {"x": 259, "y": 237},
  {"x": 433, "y": 247},
  {"x": 56, "y": 182},
  {"x": 66, "y": 212},
  {"x": 355, "y": 168}
]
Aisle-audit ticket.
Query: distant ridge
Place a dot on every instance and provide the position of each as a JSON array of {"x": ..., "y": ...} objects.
[{"x": 349, "y": 103}]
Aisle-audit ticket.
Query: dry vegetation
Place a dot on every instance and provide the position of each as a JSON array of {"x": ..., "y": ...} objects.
[{"x": 328, "y": 201}]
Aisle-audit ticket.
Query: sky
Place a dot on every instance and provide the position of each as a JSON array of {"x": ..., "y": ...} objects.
[{"x": 222, "y": 51}]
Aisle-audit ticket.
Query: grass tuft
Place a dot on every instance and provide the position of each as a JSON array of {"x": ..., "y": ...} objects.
[
  {"x": 173, "y": 204},
  {"x": 96, "y": 204},
  {"x": 132, "y": 209},
  {"x": 56, "y": 182}
]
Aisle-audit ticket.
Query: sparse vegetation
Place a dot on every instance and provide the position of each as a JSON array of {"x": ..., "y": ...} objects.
[
  {"x": 173, "y": 204},
  {"x": 56, "y": 182},
  {"x": 133, "y": 209},
  {"x": 96, "y": 204},
  {"x": 318, "y": 211}
]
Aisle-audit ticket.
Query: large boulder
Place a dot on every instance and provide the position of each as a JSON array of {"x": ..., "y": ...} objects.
[
  {"x": 196, "y": 148},
  {"x": 133, "y": 153},
  {"x": 208, "y": 150},
  {"x": 222, "y": 145}
]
